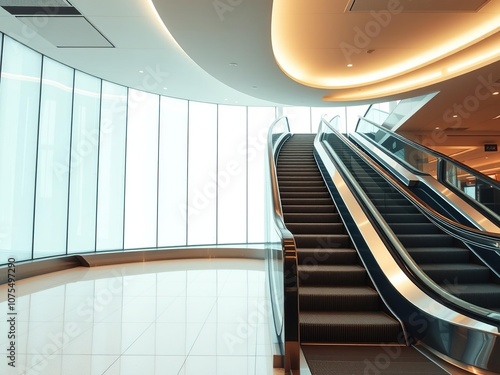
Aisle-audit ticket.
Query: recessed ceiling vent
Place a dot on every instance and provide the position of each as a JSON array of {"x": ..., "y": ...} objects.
[
  {"x": 412, "y": 6},
  {"x": 57, "y": 21},
  {"x": 38, "y": 7},
  {"x": 35, "y": 3}
]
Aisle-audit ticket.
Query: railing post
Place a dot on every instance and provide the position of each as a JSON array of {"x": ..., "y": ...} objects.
[{"x": 291, "y": 308}]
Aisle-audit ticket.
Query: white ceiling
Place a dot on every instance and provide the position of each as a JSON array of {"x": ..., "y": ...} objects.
[{"x": 221, "y": 51}]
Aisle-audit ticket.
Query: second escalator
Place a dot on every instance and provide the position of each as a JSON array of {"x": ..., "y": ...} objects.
[{"x": 446, "y": 260}]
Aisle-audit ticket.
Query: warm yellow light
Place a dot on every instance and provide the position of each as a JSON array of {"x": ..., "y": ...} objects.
[
  {"x": 382, "y": 89},
  {"x": 481, "y": 59},
  {"x": 161, "y": 24},
  {"x": 298, "y": 67}
]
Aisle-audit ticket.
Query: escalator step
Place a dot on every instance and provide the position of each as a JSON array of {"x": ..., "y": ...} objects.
[
  {"x": 384, "y": 195},
  {"x": 381, "y": 202},
  {"x": 426, "y": 240},
  {"x": 316, "y": 228},
  {"x": 429, "y": 255},
  {"x": 301, "y": 184},
  {"x": 338, "y": 275},
  {"x": 312, "y": 217},
  {"x": 361, "y": 298},
  {"x": 398, "y": 210},
  {"x": 299, "y": 179},
  {"x": 456, "y": 273},
  {"x": 305, "y": 194},
  {"x": 415, "y": 228},
  {"x": 301, "y": 208},
  {"x": 327, "y": 256},
  {"x": 348, "y": 327},
  {"x": 306, "y": 201},
  {"x": 405, "y": 218},
  {"x": 484, "y": 295},
  {"x": 322, "y": 240},
  {"x": 294, "y": 188}
]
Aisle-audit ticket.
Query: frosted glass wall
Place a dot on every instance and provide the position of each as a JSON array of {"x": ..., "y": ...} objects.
[
  {"x": 172, "y": 174},
  {"x": 53, "y": 159},
  {"x": 141, "y": 185},
  {"x": 19, "y": 107},
  {"x": 90, "y": 166},
  {"x": 232, "y": 175},
  {"x": 259, "y": 119},
  {"x": 83, "y": 163},
  {"x": 111, "y": 176},
  {"x": 202, "y": 174}
]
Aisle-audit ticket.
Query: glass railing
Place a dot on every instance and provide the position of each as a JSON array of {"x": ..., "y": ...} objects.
[
  {"x": 391, "y": 115},
  {"x": 473, "y": 186},
  {"x": 281, "y": 256},
  {"x": 376, "y": 115}
]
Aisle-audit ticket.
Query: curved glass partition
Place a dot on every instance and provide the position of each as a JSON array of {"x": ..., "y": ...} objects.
[
  {"x": 89, "y": 166},
  {"x": 281, "y": 255},
  {"x": 469, "y": 183}
]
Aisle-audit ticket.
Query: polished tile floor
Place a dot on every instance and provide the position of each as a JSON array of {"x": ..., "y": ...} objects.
[{"x": 170, "y": 317}]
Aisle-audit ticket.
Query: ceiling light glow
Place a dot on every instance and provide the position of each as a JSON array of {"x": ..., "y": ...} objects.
[
  {"x": 301, "y": 68},
  {"x": 479, "y": 59}
]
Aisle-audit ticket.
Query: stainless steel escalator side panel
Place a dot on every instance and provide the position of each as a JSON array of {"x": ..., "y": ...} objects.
[{"x": 467, "y": 341}]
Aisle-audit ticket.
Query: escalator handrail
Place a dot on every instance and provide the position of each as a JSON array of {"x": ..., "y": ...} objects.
[
  {"x": 273, "y": 148},
  {"x": 480, "y": 313},
  {"x": 492, "y": 216},
  {"x": 480, "y": 176},
  {"x": 290, "y": 327}
]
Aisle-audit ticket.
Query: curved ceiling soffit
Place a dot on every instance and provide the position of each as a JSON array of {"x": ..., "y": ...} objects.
[
  {"x": 312, "y": 51},
  {"x": 231, "y": 41}
]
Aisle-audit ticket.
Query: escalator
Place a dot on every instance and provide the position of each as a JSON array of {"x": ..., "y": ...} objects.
[
  {"x": 446, "y": 260},
  {"x": 344, "y": 324}
]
